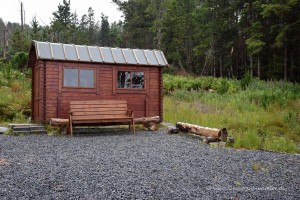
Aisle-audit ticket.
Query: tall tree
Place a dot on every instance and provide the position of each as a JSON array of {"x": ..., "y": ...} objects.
[
  {"x": 91, "y": 26},
  {"x": 35, "y": 29},
  {"x": 61, "y": 22},
  {"x": 104, "y": 31},
  {"x": 115, "y": 34}
]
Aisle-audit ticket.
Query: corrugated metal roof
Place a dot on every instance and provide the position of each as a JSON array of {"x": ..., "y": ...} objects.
[{"x": 82, "y": 53}]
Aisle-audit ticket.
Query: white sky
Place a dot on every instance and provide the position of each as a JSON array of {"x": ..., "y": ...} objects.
[{"x": 43, "y": 9}]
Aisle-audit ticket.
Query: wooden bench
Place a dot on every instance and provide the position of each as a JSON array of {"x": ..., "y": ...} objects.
[{"x": 87, "y": 113}]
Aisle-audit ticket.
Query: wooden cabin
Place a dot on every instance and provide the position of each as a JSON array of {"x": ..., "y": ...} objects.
[{"x": 65, "y": 72}]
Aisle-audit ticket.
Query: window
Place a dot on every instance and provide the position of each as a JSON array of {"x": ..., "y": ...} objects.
[
  {"x": 74, "y": 77},
  {"x": 130, "y": 80}
]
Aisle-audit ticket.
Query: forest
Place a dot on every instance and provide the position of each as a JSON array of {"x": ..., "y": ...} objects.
[{"x": 209, "y": 38}]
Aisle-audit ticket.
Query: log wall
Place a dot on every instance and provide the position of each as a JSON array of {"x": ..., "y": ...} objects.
[{"x": 144, "y": 102}]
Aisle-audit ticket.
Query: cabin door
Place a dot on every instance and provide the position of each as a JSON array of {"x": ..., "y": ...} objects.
[{"x": 36, "y": 94}]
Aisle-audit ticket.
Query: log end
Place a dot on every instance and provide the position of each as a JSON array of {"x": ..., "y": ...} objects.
[
  {"x": 223, "y": 135},
  {"x": 151, "y": 126}
]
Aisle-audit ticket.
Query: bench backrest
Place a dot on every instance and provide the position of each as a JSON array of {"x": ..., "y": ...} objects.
[{"x": 98, "y": 109}]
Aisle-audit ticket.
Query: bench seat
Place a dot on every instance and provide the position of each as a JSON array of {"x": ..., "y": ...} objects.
[{"x": 100, "y": 112}]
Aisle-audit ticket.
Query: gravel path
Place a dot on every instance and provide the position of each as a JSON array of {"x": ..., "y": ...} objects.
[{"x": 147, "y": 165}]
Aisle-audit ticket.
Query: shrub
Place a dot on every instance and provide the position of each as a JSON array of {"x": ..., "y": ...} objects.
[
  {"x": 247, "y": 79},
  {"x": 19, "y": 60}
]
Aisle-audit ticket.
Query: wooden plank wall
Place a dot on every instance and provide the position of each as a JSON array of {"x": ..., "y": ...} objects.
[{"x": 143, "y": 102}]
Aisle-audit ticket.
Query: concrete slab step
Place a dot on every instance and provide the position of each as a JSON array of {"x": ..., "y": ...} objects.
[
  {"x": 28, "y": 128},
  {"x": 39, "y": 132},
  {"x": 21, "y": 128},
  {"x": 21, "y": 132},
  {"x": 37, "y": 128}
]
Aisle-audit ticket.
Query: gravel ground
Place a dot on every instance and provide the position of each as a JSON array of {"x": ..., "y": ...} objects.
[{"x": 115, "y": 164}]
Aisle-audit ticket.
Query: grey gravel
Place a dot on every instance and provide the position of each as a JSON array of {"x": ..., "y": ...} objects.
[{"x": 115, "y": 164}]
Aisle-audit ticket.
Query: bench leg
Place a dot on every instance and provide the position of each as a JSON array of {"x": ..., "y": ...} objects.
[
  {"x": 70, "y": 129},
  {"x": 133, "y": 127}
]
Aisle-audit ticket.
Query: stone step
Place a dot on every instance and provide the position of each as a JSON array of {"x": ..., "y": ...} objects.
[
  {"x": 27, "y": 125},
  {"x": 21, "y": 128},
  {"x": 39, "y": 132},
  {"x": 28, "y": 128},
  {"x": 22, "y": 132},
  {"x": 37, "y": 128}
]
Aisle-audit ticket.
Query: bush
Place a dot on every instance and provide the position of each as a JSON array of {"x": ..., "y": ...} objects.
[
  {"x": 245, "y": 82},
  {"x": 19, "y": 60},
  {"x": 15, "y": 94}
]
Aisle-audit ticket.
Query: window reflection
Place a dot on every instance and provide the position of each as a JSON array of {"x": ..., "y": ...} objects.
[
  {"x": 78, "y": 77},
  {"x": 131, "y": 79},
  {"x": 137, "y": 79},
  {"x": 71, "y": 77},
  {"x": 86, "y": 78}
]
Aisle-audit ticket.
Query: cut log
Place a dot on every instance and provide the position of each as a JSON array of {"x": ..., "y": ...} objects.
[
  {"x": 210, "y": 139},
  {"x": 58, "y": 121},
  {"x": 61, "y": 123},
  {"x": 220, "y": 134},
  {"x": 144, "y": 120},
  {"x": 149, "y": 123},
  {"x": 172, "y": 129},
  {"x": 152, "y": 126}
]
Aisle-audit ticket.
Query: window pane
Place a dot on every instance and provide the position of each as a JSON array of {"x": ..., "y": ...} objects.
[
  {"x": 123, "y": 79},
  {"x": 140, "y": 57},
  {"x": 70, "y": 52},
  {"x": 83, "y": 53},
  {"x": 129, "y": 56},
  {"x": 118, "y": 55},
  {"x": 106, "y": 53},
  {"x": 44, "y": 50},
  {"x": 137, "y": 79},
  {"x": 151, "y": 57},
  {"x": 58, "y": 51},
  {"x": 71, "y": 77},
  {"x": 86, "y": 78}
]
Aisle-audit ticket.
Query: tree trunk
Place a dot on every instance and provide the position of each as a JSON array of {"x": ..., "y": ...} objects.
[
  {"x": 258, "y": 66},
  {"x": 5, "y": 42},
  {"x": 22, "y": 20},
  {"x": 251, "y": 64},
  {"x": 214, "y": 68},
  {"x": 179, "y": 60},
  {"x": 220, "y": 134},
  {"x": 292, "y": 71},
  {"x": 285, "y": 64},
  {"x": 221, "y": 67}
]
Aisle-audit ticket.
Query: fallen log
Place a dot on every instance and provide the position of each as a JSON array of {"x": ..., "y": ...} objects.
[
  {"x": 172, "y": 129},
  {"x": 220, "y": 134},
  {"x": 150, "y": 123},
  {"x": 144, "y": 120},
  {"x": 210, "y": 139},
  {"x": 58, "y": 121},
  {"x": 152, "y": 126},
  {"x": 61, "y": 123}
]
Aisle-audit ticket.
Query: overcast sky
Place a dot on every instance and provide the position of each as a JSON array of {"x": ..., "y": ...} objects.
[{"x": 43, "y": 9}]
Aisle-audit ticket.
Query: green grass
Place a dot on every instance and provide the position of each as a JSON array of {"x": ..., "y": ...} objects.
[
  {"x": 15, "y": 94},
  {"x": 262, "y": 115}
]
